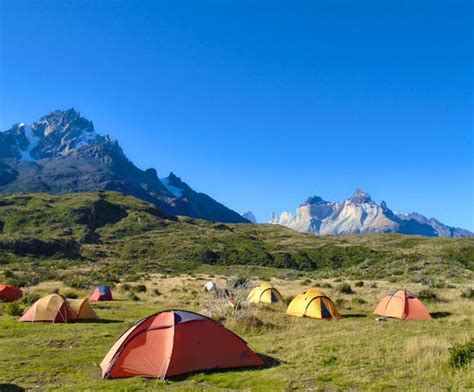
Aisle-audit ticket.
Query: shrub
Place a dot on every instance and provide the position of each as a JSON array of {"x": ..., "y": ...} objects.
[
  {"x": 13, "y": 309},
  {"x": 287, "y": 300},
  {"x": 461, "y": 354},
  {"x": 373, "y": 285},
  {"x": 306, "y": 282},
  {"x": 157, "y": 292},
  {"x": 133, "y": 297},
  {"x": 141, "y": 288},
  {"x": 358, "y": 301},
  {"x": 326, "y": 285},
  {"x": 427, "y": 295},
  {"x": 238, "y": 282},
  {"x": 359, "y": 283},
  {"x": 70, "y": 294},
  {"x": 468, "y": 293},
  {"x": 344, "y": 288},
  {"x": 30, "y": 298},
  {"x": 78, "y": 282},
  {"x": 126, "y": 287}
]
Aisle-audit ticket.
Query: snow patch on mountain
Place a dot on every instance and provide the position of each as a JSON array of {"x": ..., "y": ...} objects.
[{"x": 177, "y": 192}]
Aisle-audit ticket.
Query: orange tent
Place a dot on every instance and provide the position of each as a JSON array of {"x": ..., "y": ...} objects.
[
  {"x": 403, "y": 305},
  {"x": 9, "y": 293},
  {"x": 176, "y": 342},
  {"x": 53, "y": 308}
]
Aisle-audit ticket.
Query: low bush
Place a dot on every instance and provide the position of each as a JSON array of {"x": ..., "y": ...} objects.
[
  {"x": 461, "y": 354},
  {"x": 427, "y": 294},
  {"x": 358, "y": 301},
  {"x": 133, "y": 297},
  {"x": 70, "y": 294},
  {"x": 359, "y": 283},
  {"x": 468, "y": 293},
  {"x": 29, "y": 298},
  {"x": 344, "y": 288},
  {"x": 306, "y": 282},
  {"x": 141, "y": 288},
  {"x": 156, "y": 292},
  {"x": 326, "y": 285},
  {"x": 13, "y": 309},
  {"x": 78, "y": 282}
]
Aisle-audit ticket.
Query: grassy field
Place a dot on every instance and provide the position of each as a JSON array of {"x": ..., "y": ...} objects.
[{"x": 356, "y": 353}]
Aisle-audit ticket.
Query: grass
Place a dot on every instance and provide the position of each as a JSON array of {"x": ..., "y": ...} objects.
[{"x": 356, "y": 353}]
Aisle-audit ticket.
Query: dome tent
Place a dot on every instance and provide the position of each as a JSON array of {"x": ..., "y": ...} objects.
[
  {"x": 403, "y": 305},
  {"x": 82, "y": 309},
  {"x": 264, "y": 293},
  {"x": 9, "y": 293},
  {"x": 313, "y": 303},
  {"x": 53, "y": 308},
  {"x": 176, "y": 342},
  {"x": 101, "y": 293}
]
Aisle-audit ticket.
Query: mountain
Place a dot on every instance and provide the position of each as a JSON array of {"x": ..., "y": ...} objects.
[
  {"x": 359, "y": 214},
  {"x": 250, "y": 216},
  {"x": 62, "y": 153}
]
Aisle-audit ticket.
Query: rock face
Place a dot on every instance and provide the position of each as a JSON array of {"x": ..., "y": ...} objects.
[
  {"x": 62, "y": 153},
  {"x": 249, "y": 216},
  {"x": 359, "y": 214}
]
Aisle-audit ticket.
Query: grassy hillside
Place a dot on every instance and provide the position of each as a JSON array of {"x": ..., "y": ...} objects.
[{"x": 107, "y": 235}]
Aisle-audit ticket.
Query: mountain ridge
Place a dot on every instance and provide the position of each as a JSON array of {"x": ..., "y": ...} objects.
[
  {"x": 359, "y": 214},
  {"x": 62, "y": 153}
]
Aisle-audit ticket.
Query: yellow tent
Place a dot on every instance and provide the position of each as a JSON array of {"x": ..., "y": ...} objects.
[
  {"x": 313, "y": 303},
  {"x": 82, "y": 309},
  {"x": 264, "y": 293},
  {"x": 53, "y": 308}
]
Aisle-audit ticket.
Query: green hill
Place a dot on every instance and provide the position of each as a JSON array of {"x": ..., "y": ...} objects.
[{"x": 104, "y": 235}]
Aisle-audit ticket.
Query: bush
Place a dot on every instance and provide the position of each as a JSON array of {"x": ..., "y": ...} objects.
[
  {"x": 427, "y": 295},
  {"x": 157, "y": 292},
  {"x": 78, "y": 282},
  {"x": 238, "y": 282},
  {"x": 30, "y": 298},
  {"x": 141, "y": 288},
  {"x": 70, "y": 294},
  {"x": 306, "y": 282},
  {"x": 468, "y": 293},
  {"x": 373, "y": 285},
  {"x": 358, "y": 301},
  {"x": 359, "y": 283},
  {"x": 326, "y": 285},
  {"x": 13, "y": 309},
  {"x": 126, "y": 287},
  {"x": 461, "y": 354},
  {"x": 133, "y": 297},
  {"x": 344, "y": 288},
  {"x": 287, "y": 300}
]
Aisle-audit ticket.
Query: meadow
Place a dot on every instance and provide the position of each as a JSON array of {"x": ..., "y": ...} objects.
[{"x": 355, "y": 353}]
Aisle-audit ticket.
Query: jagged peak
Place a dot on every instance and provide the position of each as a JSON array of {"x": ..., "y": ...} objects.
[
  {"x": 360, "y": 196},
  {"x": 315, "y": 200}
]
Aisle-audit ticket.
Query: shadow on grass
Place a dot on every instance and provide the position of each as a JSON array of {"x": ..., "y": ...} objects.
[
  {"x": 438, "y": 315},
  {"x": 355, "y": 315},
  {"x": 11, "y": 388},
  {"x": 268, "y": 362},
  {"x": 96, "y": 321}
]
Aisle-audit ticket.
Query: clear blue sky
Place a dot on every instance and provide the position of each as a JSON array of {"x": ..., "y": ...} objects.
[{"x": 261, "y": 104}]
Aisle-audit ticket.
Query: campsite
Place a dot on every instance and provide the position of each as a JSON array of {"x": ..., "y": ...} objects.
[{"x": 299, "y": 353}]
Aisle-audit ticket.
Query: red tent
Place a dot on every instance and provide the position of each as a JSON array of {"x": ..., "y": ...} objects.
[
  {"x": 172, "y": 343},
  {"x": 101, "y": 293},
  {"x": 403, "y": 305},
  {"x": 9, "y": 293}
]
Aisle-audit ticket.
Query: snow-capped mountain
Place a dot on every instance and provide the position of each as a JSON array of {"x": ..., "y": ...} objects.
[
  {"x": 359, "y": 214},
  {"x": 250, "y": 216},
  {"x": 62, "y": 153}
]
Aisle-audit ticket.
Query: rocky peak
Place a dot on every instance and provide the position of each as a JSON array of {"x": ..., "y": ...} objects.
[
  {"x": 249, "y": 216},
  {"x": 360, "y": 197},
  {"x": 315, "y": 200}
]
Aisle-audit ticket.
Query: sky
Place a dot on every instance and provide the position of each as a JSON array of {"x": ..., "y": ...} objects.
[{"x": 262, "y": 104}]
